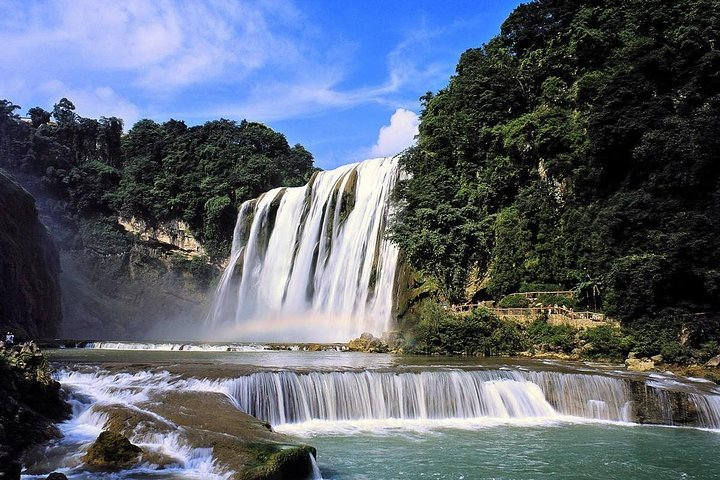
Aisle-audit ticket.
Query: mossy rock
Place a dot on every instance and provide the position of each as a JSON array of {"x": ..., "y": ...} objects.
[
  {"x": 112, "y": 450},
  {"x": 349, "y": 193},
  {"x": 279, "y": 461}
]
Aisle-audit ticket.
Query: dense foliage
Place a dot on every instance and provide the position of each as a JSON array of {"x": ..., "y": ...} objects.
[
  {"x": 435, "y": 330},
  {"x": 579, "y": 147},
  {"x": 157, "y": 172}
]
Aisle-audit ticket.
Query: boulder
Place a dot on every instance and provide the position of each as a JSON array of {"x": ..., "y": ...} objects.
[
  {"x": 713, "y": 362},
  {"x": 657, "y": 358},
  {"x": 395, "y": 341},
  {"x": 56, "y": 476},
  {"x": 639, "y": 364},
  {"x": 367, "y": 343},
  {"x": 112, "y": 450}
]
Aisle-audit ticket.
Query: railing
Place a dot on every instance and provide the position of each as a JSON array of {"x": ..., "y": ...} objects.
[
  {"x": 533, "y": 311},
  {"x": 559, "y": 293}
]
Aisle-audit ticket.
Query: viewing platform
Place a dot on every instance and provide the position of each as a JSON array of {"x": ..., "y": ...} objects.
[{"x": 555, "y": 315}]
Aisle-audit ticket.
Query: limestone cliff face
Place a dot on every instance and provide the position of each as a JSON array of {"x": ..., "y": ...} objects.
[
  {"x": 173, "y": 235},
  {"x": 140, "y": 294},
  {"x": 158, "y": 288},
  {"x": 29, "y": 267}
]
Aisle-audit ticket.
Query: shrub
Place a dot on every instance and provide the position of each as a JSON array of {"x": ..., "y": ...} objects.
[
  {"x": 556, "y": 338},
  {"x": 481, "y": 333},
  {"x": 513, "y": 301},
  {"x": 607, "y": 341},
  {"x": 559, "y": 300}
]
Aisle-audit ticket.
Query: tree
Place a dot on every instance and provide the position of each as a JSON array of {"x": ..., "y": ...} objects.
[{"x": 38, "y": 116}]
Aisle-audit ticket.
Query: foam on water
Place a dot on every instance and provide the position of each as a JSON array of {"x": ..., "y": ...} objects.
[
  {"x": 91, "y": 391},
  {"x": 344, "y": 402},
  {"x": 186, "y": 347}
]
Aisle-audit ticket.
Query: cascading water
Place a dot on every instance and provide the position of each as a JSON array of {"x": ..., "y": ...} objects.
[
  {"x": 291, "y": 397},
  {"x": 312, "y": 263},
  {"x": 335, "y": 402}
]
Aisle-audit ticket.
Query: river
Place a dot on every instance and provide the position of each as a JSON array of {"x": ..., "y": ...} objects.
[{"x": 381, "y": 416}]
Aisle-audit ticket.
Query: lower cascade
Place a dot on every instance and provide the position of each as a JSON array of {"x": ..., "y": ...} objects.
[
  {"x": 312, "y": 263},
  {"x": 305, "y": 401},
  {"x": 291, "y": 397}
]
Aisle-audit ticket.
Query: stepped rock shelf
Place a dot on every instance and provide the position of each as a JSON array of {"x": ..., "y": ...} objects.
[{"x": 190, "y": 410}]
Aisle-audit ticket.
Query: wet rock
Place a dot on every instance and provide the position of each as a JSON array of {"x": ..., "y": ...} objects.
[
  {"x": 112, "y": 450},
  {"x": 280, "y": 462},
  {"x": 713, "y": 362},
  {"x": 639, "y": 364},
  {"x": 367, "y": 343},
  {"x": 30, "y": 402},
  {"x": 655, "y": 406},
  {"x": 56, "y": 476},
  {"x": 241, "y": 444}
]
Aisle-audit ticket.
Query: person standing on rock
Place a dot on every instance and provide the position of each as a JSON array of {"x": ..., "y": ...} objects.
[{"x": 9, "y": 340}]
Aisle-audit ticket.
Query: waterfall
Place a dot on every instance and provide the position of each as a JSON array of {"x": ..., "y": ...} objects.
[
  {"x": 187, "y": 347},
  {"x": 335, "y": 401},
  {"x": 312, "y": 263},
  {"x": 708, "y": 407},
  {"x": 288, "y": 397}
]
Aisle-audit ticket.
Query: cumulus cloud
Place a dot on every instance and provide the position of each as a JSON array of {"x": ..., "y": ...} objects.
[
  {"x": 397, "y": 136},
  {"x": 186, "y": 58},
  {"x": 158, "y": 45}
]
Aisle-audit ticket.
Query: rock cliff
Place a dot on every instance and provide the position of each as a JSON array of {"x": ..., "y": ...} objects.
[
  {"x": 140, "y": 293},
  {"x": 29, "y": 267},
  {"x": 172, "y": 236}
]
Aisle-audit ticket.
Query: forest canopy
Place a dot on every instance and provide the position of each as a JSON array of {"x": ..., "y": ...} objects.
[
  {"x": 579, "y": 147},
  {"x": 157, "y": 172}
]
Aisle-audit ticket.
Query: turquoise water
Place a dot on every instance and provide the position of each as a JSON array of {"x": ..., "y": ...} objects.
[
  {"x": 571, "y": 451},
  {"x": 377, "y": 448}
]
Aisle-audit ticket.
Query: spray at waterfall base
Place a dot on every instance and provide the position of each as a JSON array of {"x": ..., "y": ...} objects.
[{"x": 311, "y": 263}]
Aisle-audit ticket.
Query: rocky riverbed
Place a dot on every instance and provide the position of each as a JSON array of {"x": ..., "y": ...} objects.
[{"x": 30, "y": 403}]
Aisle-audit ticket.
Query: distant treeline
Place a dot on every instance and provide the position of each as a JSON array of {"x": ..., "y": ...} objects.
[
  {"x": 92, "y": 173},
  {"x": 581, "y": 148}
]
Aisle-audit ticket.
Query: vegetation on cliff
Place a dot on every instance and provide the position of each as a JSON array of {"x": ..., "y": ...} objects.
[
  {"x": 430, "y": 329},
  {"x": 85, "y": 173},
  {"x": 579, "y": 148},
  {"x": 88, "y": 170}
]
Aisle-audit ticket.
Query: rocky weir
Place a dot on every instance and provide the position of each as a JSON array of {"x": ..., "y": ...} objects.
[
  {"x": 153, "y": 421},
  {"x": 227, "y": 415}
]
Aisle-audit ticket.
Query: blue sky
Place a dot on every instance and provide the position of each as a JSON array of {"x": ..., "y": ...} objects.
[{"x": 341, "y": 77}]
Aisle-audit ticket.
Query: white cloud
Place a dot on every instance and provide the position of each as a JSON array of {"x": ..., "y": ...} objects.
[
  {"x": 397, "y": 136},
  {"x": 159, "y": 45},
  {"x": 263, "y": 54}
]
